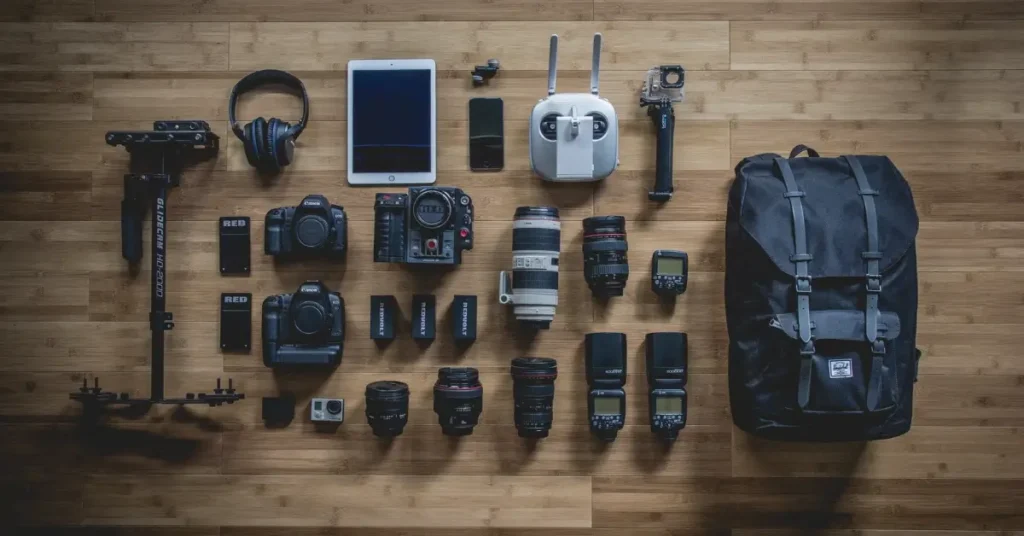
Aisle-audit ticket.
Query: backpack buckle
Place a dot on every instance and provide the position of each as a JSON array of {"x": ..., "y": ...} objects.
[
  {"x": 878, "y": 346},
  {"x": 874, "y": 285},
  {"x": 803, "y": 284}
]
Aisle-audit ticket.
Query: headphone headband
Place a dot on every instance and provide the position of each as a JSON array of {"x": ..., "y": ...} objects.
[{"x": 261, "y": 78}]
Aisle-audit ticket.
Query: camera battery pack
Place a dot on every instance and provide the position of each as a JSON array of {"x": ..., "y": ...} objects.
[
  {"x": 234, "y": 245},
  {"x": 463, "y": 317},
  {"x": 382, "y": 317},
  {"x": 424, "y": 316},
  {"x": 235, "y": 322}
]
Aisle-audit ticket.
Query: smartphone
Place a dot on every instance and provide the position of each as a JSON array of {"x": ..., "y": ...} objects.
[{"x": 486, "y": 134}]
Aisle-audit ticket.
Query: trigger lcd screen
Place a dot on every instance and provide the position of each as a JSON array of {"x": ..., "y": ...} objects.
[{"x": 391, "y": 121}]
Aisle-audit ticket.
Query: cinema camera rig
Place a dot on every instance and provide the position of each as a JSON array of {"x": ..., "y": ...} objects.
[{"x": 157, "y": 160}]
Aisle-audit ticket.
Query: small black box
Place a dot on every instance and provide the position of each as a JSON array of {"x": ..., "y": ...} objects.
[
  {"x": 234, "y": 245},
  {"x": 236, "y": 322},
  {"x": 424, "y": 316},
  {"x": 463, "y": 317},
  {"x": 382, "y": 317}
]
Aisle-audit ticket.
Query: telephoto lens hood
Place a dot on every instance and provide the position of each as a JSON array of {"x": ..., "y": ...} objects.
[{"x": 534, "y": 395}]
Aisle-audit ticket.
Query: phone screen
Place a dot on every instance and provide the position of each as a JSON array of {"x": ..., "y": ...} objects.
[{"x": 486, "y": 134}]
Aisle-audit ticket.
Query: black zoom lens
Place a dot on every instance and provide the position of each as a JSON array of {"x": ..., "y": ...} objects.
[
  {"x": 534, "y": 394},
  {"x": 605, "y": 264},
  {"x": 458, "y": 400},
  {"x": 387, "y": 407}
]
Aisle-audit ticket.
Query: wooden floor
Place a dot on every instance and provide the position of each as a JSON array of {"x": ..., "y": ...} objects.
[{"x": 936, "y": 84}]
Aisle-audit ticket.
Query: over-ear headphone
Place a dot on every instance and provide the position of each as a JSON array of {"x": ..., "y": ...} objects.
[{"x": 269, "y": 145}]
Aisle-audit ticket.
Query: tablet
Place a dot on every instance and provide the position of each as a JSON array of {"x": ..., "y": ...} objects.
[{"x": 392, "y": 122}]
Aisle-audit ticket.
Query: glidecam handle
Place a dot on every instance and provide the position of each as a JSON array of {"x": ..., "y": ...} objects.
[
  {"x": 133, "y": 210},
  {"x": 665, "y": 123}
]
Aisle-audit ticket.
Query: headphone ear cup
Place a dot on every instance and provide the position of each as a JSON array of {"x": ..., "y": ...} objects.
[
  {"x": 284, "y": 145},
  {"x": 251, "y": 153},
  {"x": 271, "y": 142},
  {"x": 259, "y": 142}
]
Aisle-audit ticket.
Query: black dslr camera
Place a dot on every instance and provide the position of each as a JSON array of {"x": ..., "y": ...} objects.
[
  {"x": 429, "y": 225},
  {"x": 304, "y": 329},
  {"x": 315, "y": 228}
]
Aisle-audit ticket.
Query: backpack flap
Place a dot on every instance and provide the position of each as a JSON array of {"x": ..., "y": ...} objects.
[
  {"x": 841, "y": 376},
  {"x": 833, "y": 211}
]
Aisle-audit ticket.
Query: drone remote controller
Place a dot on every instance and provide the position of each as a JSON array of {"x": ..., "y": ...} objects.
[{"x": 574, "y": 137}]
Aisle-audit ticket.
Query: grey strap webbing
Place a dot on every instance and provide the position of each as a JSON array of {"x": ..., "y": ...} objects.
[
  {"x": 874, "y": 282},
  {"x": 801, "y": 259}
]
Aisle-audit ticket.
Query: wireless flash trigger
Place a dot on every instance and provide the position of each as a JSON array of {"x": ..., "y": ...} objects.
[
  {"x": 574, "y": 137},
  {"x": 269, "y": 144}
]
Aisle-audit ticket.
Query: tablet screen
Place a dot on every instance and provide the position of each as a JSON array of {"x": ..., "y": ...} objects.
[{"x": 391, "y": 121}]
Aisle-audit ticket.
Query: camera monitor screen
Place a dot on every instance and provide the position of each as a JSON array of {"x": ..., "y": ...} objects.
[
  {"x": 668, "y": 406},
  {"x": 392, "y": 122},
  {"x": 605, "y": 405},
  {"x": 670, "y": 266}
]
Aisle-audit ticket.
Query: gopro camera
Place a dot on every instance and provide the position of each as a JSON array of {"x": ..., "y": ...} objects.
[
  {"x": 606, "y": 374},
  {"x": 331, "y": 410},
  {"x": 662, "y": 87}
]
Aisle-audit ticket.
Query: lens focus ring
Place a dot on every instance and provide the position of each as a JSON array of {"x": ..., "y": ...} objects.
[{"x": 534, "y": 394}]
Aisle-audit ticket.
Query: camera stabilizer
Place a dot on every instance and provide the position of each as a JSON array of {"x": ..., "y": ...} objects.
[
  {"x": 157, "y": 159},
  {"x": 663, "y": 86}
]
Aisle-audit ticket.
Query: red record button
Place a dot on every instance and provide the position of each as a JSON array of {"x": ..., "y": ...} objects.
[
  {"x": 431, "y": 243},
  {"x": 463, "y": 232}
]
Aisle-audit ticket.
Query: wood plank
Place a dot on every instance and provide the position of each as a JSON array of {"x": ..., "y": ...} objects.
[
  {"x": 46, "y": 10},
  {"x": 42, "y": 296},
  {"x": 330, "y": 500},
  {"x": 928, "y": 452},
  {"x": 462, "y": 45},
  {"x": 741, "y": 10},
  {"x": 50, "y": 96},
  {"x": 327, "y": 10},
  {"x": 491, "y": 450},
  {"x": 935, "y": 146},
  {"x": 45, "y": 195},
  {"x": 173, "y": 447},
  {"x": 107, "y": 346},
  {"x": 113, "y": 47},
  {"x": 710, "y": 95},
  {"x": 644, "y": 501},
  {"x": 877, "y": 45}
]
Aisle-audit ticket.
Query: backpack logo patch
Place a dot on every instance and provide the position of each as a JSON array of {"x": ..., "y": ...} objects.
[{"x": 840, "y": 368}]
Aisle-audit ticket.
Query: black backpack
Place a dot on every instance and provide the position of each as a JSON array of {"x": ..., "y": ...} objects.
[{"x": 821, "y": 297}]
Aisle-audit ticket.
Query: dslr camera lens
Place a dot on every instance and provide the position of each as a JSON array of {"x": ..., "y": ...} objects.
[
  {"x": 387, "y": 407},
  {"x": 534, "y": 394},
  {"x": 605, "y": 264},
  {"x": 532, "y": 286},
  {"x": 458, "y": 400}
]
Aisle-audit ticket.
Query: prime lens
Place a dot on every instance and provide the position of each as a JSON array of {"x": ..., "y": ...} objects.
[
  {"x": 387, "y": 407},
  {"x": 458, "y": 400},
  {"x": 532, "y": 288},
  {"x": 534, "y": 394},
  {"x": 605, "y": 264}
]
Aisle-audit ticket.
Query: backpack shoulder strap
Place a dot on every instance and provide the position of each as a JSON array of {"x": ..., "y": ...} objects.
[
  {"x": 801, "y": 259},
  {"x": 874, "y": 281}
]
